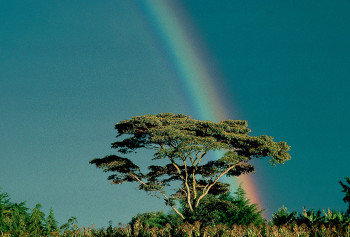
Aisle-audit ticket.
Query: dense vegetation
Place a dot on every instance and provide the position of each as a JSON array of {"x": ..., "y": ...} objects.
[
  {"x": 223, "y": 215},
  {"x": 17, "y": 220}
]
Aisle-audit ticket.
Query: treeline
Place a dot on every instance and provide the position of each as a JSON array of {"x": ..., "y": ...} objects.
[
  {"x": 18, "y": 220},
  {"x": 224, "y": 215}
]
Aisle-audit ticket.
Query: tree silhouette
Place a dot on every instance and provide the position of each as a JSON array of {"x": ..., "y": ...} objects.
[
  {"x": 183, "y": 143},
  {"x": 50, "y": 224},
  {"x": 346, "y": 190}
]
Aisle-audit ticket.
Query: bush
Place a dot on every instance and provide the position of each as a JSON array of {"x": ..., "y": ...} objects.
[
  {"x": 225, "y": 209},
  {"x": 155, "y": 219},
  {"x": 283, "y": 217}
]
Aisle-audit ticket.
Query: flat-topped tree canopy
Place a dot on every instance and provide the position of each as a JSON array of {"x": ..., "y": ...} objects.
[{"x": 184, "y": 142}]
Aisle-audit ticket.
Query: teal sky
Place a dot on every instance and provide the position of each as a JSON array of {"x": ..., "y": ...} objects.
[
  {"x": 288, "y": 66},
  {"x": 69, "y": 70}
]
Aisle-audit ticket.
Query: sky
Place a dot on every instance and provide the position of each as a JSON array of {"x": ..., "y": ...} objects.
[{"x": 70, "y": 70}]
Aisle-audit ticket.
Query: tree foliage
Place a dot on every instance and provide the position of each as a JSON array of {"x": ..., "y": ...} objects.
[
  {"x": 13, "y": 216},
  {"x": 310, "y": 218},
  {"x": 226, "y": 209},
  {"x": 283, "y": 217},
  {"x": 158, "y": 219},
  {"x": 346, "y": 190},
  {"x": 18, "y": 220},
  {"x": 36, "y": 221},
  {"x": 51, "y": 225},
  {"x": 184, "y": 142}
]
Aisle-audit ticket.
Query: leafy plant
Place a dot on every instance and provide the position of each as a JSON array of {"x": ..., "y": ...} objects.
[
  {"x": 310, "y": 217},
  {"x": 283, "y": 217},
  {"x": 229, "y": 209},
  {"x": 158, "y": 219},
  {"x": 71, "y": 224},
  {"x": 336, "y": 218}
]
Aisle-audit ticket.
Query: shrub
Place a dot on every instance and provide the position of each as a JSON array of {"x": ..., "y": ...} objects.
[
  {"x": 226, "y": 209},
  {"x": 283, "y": 217}
]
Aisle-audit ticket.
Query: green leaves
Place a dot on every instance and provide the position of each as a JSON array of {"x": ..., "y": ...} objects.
[
  {"x": 126, "y": 170},
  {"x": 283, "y": 217},
  {"x": 50, "y": 224},
  {"x": 181, "y": 143},
  {"x": 346, "y": 190},
  {"x": 17, "y": 220},
  {"x": 115, "y": 163},
  {"x": 310, "y": 218},
  {"x": 36, "y": 225},
  {"x": 167, "y": 131},
  {"x": 226, "y": 209},
  {"x": 336, "y": 218}
]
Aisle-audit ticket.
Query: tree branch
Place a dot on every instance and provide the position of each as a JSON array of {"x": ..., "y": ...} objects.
[
  {"x": 177, "y": 167},
  {"x": 215, "y": 181},
  {"x": 177, "y": 211},
  {"x": 200, "y": 159},
  {"x": 187, "y": 187},
  {"x": 194, "y": 184},
  {"x": 165, "y": 196}
]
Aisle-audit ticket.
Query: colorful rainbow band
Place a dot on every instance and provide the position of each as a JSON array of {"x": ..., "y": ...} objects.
[{"x": 172, "y": 28}]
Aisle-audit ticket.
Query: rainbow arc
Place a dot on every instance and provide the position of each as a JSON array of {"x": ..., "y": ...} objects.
[{"x": 174, "y": 31}]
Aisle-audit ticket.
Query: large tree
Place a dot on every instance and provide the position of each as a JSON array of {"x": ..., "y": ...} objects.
[{"x": 183, "y": 143}]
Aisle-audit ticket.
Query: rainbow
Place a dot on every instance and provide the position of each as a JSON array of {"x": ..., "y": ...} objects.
[{"x": 173, "y": 30}]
